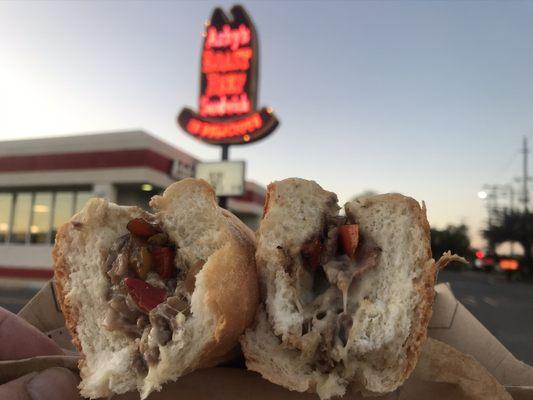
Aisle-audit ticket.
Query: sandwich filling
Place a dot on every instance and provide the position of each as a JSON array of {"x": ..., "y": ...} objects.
[
  {"x": 324, "y": 271},
  {"x": 150, "y": 288}
]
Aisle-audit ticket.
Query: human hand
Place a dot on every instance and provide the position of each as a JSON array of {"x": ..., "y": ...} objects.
[{"x": 19, "y": 340}]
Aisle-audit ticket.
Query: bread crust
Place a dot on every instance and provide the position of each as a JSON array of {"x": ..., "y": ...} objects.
[
  {"x": 61, "y": 273},
  {"x": 233, "y": 294},
  {"x": 230, "y": 283},
  {"x": 268, "y": 197}
]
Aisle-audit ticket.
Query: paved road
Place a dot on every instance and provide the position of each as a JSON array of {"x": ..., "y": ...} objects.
[{"x": 505, "y": 308}]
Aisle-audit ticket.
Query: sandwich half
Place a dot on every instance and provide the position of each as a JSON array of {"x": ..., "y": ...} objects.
[
  {"x": 149, "y": 297},
  {"x": 345, "y": 299}
]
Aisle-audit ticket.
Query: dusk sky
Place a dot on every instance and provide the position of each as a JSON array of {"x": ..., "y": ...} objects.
[{"x": 430, "y": 99}]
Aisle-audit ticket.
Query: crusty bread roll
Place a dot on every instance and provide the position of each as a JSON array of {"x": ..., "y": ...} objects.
[
  {"x": 127, "y": 339},
  {"x": 354, "y": 321}
]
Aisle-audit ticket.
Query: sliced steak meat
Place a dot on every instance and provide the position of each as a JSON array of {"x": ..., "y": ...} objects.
[{"x": 150, "y": 288}]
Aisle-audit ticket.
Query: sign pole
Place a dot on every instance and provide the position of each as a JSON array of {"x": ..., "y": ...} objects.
[{"x": 223, "y": 200}]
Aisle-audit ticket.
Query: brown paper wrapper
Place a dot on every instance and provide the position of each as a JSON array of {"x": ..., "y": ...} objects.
[
  {"x": 453, "y": 324},
  {"x": 465, "y": 362},
  {"x": 13, "y": 369}
]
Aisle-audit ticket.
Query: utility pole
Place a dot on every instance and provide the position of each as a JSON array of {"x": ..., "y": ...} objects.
[
  {"x": 495, "y": 214},
  {"x": 511, "y": 208},
  {"x": 525, "y": 178},
  {"x": 493, "y": 192},
  {"x": 527, "y": 239},
  {"x": 494, "y": 211}
]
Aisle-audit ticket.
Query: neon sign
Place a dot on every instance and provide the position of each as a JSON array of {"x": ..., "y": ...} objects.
[
  {"x": 238, "y": 104},
  {"x": 222, "y": 61},
  {"x": 227, "y": 112},
  {"x": 228, "y": 37}
]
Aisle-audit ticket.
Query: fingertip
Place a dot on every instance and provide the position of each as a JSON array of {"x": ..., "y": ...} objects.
[
  {"x": 54, "y": 383},
  {"x": 22, "y": 340}
]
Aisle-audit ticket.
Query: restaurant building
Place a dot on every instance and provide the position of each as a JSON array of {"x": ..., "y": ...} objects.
[{"x": 43, "y": 182}]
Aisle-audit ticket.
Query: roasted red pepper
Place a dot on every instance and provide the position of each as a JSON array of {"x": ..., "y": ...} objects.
[
  {"x": 145, "y": 295},
  {"x": 163, "y": 261},
  {"x": 349, "y": 239},
  {"x": 311, "y": 253},
  {"x": 143, "y": 228}
]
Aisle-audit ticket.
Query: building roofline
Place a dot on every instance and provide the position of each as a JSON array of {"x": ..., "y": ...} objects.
[{"x": 112, "y": 140}]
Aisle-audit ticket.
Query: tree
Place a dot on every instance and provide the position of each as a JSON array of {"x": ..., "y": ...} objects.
[{"x": 454, "y": 238}]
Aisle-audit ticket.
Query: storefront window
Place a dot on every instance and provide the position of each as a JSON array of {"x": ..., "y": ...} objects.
[
  {"x": 81, "y": 199},
  {"x": 63, "y": 208},
  {"x": 21, "y": 218},
  {"x": 36, "y": 216},
  {"x": 6, "y": 201},
  {"x": 40, "y": 222}
]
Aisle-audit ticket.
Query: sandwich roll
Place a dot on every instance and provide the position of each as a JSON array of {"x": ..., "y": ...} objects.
[
  {"x": 345, "y": 299},
  {"x": 149, "y": 297}
]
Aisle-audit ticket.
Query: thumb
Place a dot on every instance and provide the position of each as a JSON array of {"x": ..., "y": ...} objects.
[{"x": 50, "y": 384}]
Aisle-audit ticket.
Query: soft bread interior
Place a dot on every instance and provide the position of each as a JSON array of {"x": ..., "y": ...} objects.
[
  {"x": 297, "y": 210},
  {"x": 80, "y": 253},
  {"x": 388, "y": 304},
  {"x": 201, "y": 231},
  {"x": 393, "y": 301}
]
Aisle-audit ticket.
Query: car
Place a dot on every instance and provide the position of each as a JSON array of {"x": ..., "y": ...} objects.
[{"x": 485, "y": 262}]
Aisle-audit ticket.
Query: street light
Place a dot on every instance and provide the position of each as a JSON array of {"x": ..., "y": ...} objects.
[{"x": 482, "y": 194}]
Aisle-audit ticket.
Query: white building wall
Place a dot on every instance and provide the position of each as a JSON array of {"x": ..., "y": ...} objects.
[
  {"x": 20, "y": 255},
  {"x": 86, "y": 177}
]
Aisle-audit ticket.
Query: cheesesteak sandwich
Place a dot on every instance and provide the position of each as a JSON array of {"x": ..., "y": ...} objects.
[
  {"x": 150, "y": 297},
  {"x": 345, "y": 299}
]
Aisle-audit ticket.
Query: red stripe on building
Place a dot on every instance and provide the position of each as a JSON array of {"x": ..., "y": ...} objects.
[
  {"x": 252, "y": 197},
  {"x": 90, "y": 160},
  {"x": 28, "y": 273}
]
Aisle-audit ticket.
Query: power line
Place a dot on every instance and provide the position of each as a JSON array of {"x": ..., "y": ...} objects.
[{"x": 508, "y": 163}]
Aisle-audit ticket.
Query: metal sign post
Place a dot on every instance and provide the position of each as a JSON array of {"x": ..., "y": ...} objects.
[{"x": 223, "y": 200}]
